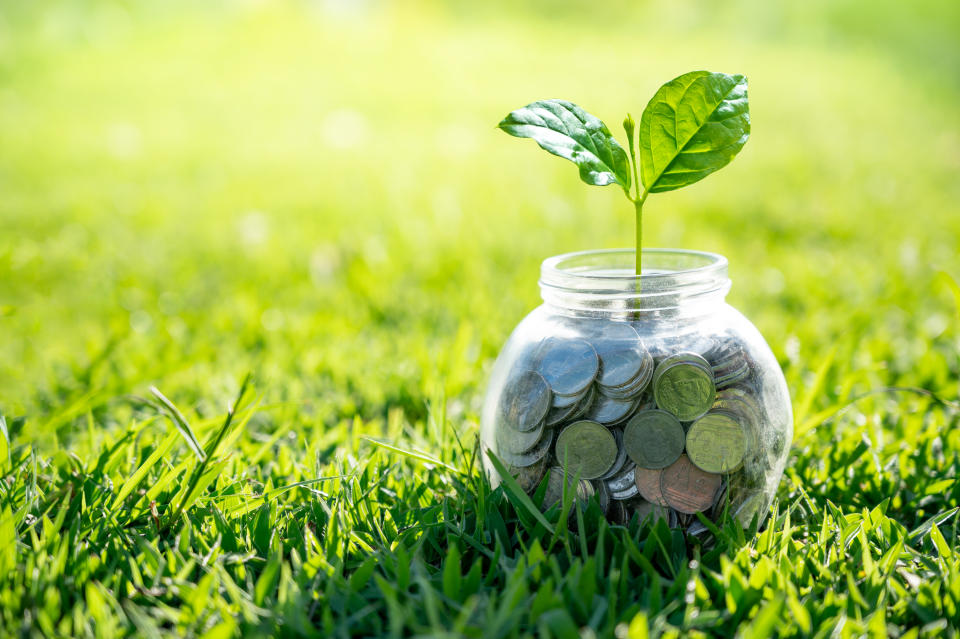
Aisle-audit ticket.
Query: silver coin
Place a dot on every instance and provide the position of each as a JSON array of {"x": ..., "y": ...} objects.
[
  {"x": 529, "y": 477},
  {"x": 603, "y": 495},
  {"x": 622, "y": 355},
  {"x": 568, "y": 365},
  {"x": 565, "y": 401},
  {"x": 560, "y": 415},
  {"x": 556, "y": 477},
  {"x": 627, "y": 392},
  {"x": 526, "y": 401},
  {"x": 517, "y": 441},
  {"x": 629, "y": 492},
  {"x": 531, "y": 457},
  {"x": 623, "y": 479},
  {"x": 621, "y": 460},
  {"x": 728, "y": 377},
  {"x": 607, "y": 410},
  {"x": 585, "y": 404}
]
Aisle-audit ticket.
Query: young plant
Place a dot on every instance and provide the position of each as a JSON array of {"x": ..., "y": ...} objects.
[{"x": 692, "y": 126}]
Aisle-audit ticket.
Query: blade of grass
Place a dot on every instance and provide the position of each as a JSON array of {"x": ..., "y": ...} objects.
[
  {"x": 804, "y": 405},
  {"x": 511, "y": 486},
  {"x": 412, "y": 454},
  {"x": 134, "y": 480},
  {"x": 198, "y": 472},
  {"x": 181, "y": 423},
  {"x": 4, "y": 440}
]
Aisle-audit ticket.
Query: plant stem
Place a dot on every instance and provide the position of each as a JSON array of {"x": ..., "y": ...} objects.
[{"x": 638, "y": 210}]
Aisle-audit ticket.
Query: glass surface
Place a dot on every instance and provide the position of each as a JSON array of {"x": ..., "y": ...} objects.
[{"x": 651, "y": 394}]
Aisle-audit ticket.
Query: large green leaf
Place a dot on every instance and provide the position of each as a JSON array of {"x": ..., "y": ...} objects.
[
  {"x": 564, "y": 129},
  {"x": 691, "y": 127}
]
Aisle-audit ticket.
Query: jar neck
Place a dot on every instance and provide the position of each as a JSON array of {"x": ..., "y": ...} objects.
[{"x": 673, "y": 283}]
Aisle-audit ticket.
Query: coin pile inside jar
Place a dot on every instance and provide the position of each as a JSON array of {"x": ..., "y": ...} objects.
[{"x": 664, "y": 429}]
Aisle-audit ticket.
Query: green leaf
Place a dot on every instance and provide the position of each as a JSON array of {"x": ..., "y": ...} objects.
[
  {"x": 691, "y": 127},
  {"x": 566, "y": 130}
]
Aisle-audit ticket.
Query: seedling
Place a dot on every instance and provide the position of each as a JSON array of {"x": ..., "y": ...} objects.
[{"x": 693, "y": 125}]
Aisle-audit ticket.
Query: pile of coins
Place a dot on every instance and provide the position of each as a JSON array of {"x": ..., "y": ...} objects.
[{"x": 663, "y": 429}]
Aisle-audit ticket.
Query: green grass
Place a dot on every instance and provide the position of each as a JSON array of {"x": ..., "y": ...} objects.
[{"x": 320, "y": 198}]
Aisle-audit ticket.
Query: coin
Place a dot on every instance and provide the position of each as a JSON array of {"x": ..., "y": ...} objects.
[
  {"x": 629, "y": 492},
  {"x": 586, "y": 448},
  {"x": 569, "y": 365},
  {"x": 621, "y": 461},
  {"x": 622, "y": 356},
  {"x": 526, "y": 401},
  {"x": 730, "y": 373},
  {"x": 648, "y": 484},
  {"x": 531, "y": 457},
  {"x": 565, "y": 401},
  {"x": 610, "y": 411},
  {"x": 622, "y": 480},
  {"x": 529, "y": 477},
  {"x": 653, "y": 439},
  {"x": 648, "y": 510},
  {"x": 618, "y": 512},
  {"x": 603, "y": 495},
  {"x": 555, "y": 482},
  {"x": 627, "y": 392},
  {"x": 585, "y": 404},
  {"x": 684, "y": 386},
  {"x": 716, "y": 442},
  {"x": 517, "y": 441},
  {"x": 687, "y": 488},
  {"x": 558, "y": 415}
]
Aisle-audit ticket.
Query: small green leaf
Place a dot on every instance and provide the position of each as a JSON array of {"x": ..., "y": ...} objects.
[
  {"x": 566, "y": 130},
  {"x": 693, "y": 125}
]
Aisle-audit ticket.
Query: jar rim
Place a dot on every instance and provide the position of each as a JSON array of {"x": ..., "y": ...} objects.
[
  {"x": 712, "y": 264},
  {"x": 606, "y": 279}
]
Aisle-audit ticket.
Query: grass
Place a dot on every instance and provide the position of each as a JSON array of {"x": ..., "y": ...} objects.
[{"x": 317, "y": 196}]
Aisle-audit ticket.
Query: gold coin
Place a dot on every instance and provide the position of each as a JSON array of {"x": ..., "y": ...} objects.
[
  {"x": 716, "y": 442},
  {"x": 683, "y": 384},
  {"x": 688, "y": 489},
  {"x": 586, "y": 448},
  {"x": 653, "y": 439}
]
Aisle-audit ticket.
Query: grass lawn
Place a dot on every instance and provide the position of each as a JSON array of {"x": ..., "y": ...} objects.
[{"x": 314, "y": 193}]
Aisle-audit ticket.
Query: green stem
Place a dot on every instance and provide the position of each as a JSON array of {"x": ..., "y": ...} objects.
[{"x": 638, "y": 210}]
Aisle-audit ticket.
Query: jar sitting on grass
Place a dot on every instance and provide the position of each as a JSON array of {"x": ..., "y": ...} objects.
[{"x": 655, "y": 397}]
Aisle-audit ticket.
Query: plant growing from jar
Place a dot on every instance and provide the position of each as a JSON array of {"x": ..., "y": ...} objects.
[{"x": 635, "y": 386}]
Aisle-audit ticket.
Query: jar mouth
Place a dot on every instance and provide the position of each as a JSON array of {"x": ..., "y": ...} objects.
[{"x": 604, "y": 280}]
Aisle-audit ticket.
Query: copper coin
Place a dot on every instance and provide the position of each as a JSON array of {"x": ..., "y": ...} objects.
[
  {"x": 688, "y": 489},
  {"x": 648, "y": 483}
]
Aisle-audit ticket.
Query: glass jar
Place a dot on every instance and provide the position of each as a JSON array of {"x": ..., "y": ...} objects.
[{"x": 652, "y": 394}]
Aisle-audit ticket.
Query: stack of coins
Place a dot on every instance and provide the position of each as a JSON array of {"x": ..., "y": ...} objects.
[{"x": 650, "y": 430}]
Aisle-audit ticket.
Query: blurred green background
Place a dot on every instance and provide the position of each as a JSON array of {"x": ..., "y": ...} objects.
[{"x": 316, "y": 192}]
